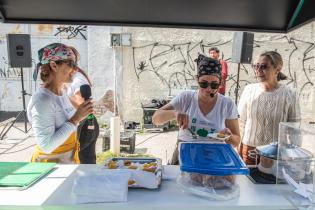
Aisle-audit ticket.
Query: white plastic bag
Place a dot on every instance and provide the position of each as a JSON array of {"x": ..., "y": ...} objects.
[{"x": 101, "y": 186}]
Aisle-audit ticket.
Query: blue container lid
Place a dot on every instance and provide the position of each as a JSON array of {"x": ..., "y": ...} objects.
[{"x": 211, "y": 159}]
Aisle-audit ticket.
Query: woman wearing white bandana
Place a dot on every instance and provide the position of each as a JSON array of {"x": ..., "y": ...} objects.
[{"x": 203, "y": 111}]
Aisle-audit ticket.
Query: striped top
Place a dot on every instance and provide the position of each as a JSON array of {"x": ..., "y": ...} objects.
[{"x": 261, "y": 112}]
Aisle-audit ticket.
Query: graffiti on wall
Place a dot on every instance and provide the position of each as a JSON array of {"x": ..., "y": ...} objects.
[
  {"x": 173, "y": 64},
  {"x": 299, "y": 62},
  {"x": 7, "y": 73},
  {"x": 72, "y": 31}
]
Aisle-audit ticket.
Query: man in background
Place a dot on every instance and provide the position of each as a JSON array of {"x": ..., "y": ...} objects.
[{"x": 214, "y": 54}]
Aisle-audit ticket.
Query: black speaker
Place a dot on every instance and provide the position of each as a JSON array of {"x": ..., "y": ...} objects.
[
  {"x": 19, "y": 50},
  {"x": 242, "y": 48}
]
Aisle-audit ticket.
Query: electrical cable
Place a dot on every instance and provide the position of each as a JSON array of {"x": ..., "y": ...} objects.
[{"x": 148, "y": 139}]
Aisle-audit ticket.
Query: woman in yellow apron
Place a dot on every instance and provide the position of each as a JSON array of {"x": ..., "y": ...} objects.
[{"x": 54, "y": 120}]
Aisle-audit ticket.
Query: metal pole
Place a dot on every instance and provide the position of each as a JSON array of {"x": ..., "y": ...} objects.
[
  {"x": 115, "y": 120},
  {"x": 115, "y": 83},
  {"x": 23, "y": 99},
  {"x": 237, "y": 82}
]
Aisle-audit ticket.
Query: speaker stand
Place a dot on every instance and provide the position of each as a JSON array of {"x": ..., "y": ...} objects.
[
  {"x": 22, "y": 113},
  {"x": 237, "y": 82}
]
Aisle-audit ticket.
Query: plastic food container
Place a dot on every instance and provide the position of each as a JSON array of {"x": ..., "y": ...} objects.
[
  {"x": 209, "y": 170},
  {"x": 296, "y": 162}
]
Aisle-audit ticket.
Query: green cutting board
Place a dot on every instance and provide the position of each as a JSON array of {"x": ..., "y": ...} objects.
[{"x": 22, "y": 174}]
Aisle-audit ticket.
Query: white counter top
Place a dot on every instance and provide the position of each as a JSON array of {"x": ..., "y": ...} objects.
[{"x": 55, "y": 191}]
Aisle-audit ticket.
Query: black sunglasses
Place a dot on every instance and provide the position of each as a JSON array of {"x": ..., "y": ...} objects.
[
  {"x": 71, "y": 63},
  {"x": 262, "y": 66},
  {"x": 213, "y": 85}
]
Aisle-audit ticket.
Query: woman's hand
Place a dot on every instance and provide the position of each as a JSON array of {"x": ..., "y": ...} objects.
[
  {"x": 182, "y": 120},
  {"x": 82, "y": 112},
  {"x": 226, "y": 131},
  {"x": 232, "y": 129}
]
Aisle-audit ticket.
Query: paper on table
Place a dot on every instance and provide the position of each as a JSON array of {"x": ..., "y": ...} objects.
[{"x": 101, "y": 186}]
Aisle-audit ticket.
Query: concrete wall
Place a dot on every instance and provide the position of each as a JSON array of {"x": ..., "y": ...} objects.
[
  {"x": 41, "y": 35},
  {"x": 96, "y": 59},
  {"x": 159, "y": 63},
  {"x": 105, "y": 64}
]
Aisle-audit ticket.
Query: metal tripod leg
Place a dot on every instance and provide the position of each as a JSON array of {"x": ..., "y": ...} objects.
[
  {"x": 23, "y": 112},
  {"x": 5, "y": 130}
]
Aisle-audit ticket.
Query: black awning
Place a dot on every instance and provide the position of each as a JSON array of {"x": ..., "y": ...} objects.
[{"x": 245, "y": 15}]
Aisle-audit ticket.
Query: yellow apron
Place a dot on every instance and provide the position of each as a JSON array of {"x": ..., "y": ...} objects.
[{"x": 68, "y": 152}]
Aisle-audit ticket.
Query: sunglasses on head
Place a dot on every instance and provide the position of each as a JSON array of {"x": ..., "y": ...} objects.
[
  {"x": 213, "y": 85},
  {"x": 261, "y": 66}
]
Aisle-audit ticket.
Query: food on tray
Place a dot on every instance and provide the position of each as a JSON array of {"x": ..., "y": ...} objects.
[
  {"x": 221, "y": 134},
  {"x": 216, "y": 182},
  {"x": 144, "y": 172},
  {"x": 153, "y": 164},
  {"x": 127, "y": 162},
  {"x": 150, "y": 167},
  {"x": 112, "y": 165},
  {"x": 131, "y": 182},
  {"x": 132, "y": 167},
  {"x": 147, "y": 165}
]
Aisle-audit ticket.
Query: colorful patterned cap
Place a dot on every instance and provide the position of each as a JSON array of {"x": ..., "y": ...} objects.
[
  {"x": 55, "y": 52},
  {"x": 208, "y": 66}
]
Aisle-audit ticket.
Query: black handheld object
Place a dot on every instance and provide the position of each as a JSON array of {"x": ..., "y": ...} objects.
[{"x": 86, "y": 93}]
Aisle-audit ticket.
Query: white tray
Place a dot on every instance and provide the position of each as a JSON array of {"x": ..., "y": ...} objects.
[{"x": 144, "y": 179}]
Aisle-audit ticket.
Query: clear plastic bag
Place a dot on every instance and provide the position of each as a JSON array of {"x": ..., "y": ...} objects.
[
  {"x": 101, "y": 186},
  {"x": 208, "y": 186}
]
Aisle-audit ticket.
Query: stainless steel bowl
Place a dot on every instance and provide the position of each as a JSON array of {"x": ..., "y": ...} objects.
[{"x": 294, "y": 158}]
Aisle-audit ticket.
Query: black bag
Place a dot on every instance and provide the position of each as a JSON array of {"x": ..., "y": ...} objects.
[{"x": 87, "y": 138}]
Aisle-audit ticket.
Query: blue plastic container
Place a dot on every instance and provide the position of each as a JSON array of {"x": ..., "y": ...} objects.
[{"x": 211, "y": 159}]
